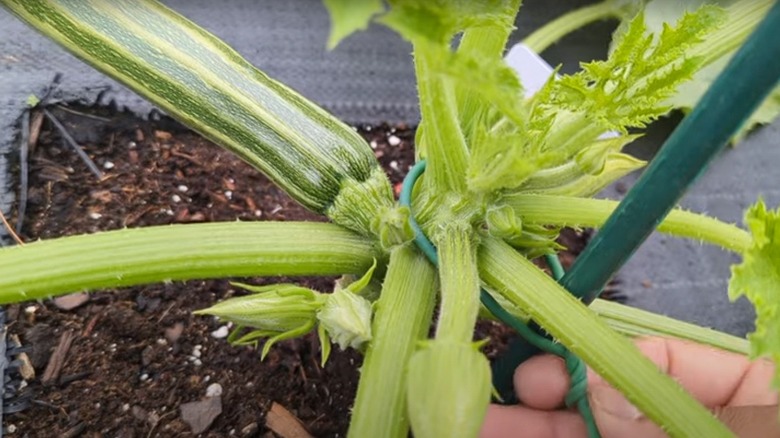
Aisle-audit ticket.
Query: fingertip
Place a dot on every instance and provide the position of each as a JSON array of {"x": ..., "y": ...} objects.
[
  {"x": 517, "y": 420},
  {"x": 541, "y": 382}
]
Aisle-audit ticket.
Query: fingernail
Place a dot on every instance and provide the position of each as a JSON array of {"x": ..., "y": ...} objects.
[{"x": 612, "y": 402}]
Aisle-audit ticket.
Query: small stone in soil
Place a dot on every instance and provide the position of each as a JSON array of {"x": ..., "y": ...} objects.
[
  {"x": 71, "y": 301},
  {"x": 147, "y": 355},
  {"x": 393, "y": 140},
  {"x": 249, "y": 430},
  {"x": 172, "y": 334},
  {"x": 214, "y": 390},
  {"x": 200, "y": 414},
  {"x": 140, "y": 413},
  {"x": 221, "y": 332}
]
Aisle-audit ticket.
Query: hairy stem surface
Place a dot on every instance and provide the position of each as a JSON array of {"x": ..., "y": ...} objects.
[
  {"x": 402, "y": 318},
  {"x": 179, "y": 252}
]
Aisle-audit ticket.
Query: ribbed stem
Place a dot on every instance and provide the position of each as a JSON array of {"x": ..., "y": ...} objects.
[
  {"x": 444, "y": 144},
  {"x": 612, "y": 356},
  {"x": 486, "y": 41},
  {"x": 743, "y": 17},
  {"x": 402, "y": 319},
  {"x": 631, "y": 321},
  {"x": 459, "y": 284},
  {"x": 179, "y": 252},
  {"x": 584, "y": 212},
  {"x": 637, "y": 322}
]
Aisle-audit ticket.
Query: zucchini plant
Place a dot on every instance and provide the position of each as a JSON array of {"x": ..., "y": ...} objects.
[{"x": 503, "y": 174}]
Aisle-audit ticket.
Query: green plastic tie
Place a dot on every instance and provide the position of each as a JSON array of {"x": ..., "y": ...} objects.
[{"x": 577, "y": 396}]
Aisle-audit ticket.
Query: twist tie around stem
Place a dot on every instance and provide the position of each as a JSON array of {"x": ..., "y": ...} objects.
[{"x": 577, "y": 394}]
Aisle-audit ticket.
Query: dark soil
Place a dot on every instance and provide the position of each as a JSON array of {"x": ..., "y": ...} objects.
[{"x": 126, "y": 374}]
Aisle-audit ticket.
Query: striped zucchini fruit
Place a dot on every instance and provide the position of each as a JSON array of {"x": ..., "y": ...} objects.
[{"x": 202, "y": 82}]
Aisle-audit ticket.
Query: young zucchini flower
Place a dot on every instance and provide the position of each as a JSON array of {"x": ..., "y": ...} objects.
[
  {"x": 277, "y": 311},
  {"x": 285, "y": 311},
  {"x": 533, "y": 239}
]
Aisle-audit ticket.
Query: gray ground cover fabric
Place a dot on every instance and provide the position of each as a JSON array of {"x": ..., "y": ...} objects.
[{"x": 369, "y": 79}]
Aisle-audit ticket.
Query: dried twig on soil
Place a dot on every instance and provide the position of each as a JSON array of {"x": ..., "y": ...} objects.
[
  {"x": 10, "y": 230},
  {"x": 90, "y": 326},
  {"x": 82, "y": 114},
  {"x": 68, "y": 139},
  {"x": 26, "y": 370},
  {"x": 57, "y": 360},
  {"x": 74, "y": 431}
]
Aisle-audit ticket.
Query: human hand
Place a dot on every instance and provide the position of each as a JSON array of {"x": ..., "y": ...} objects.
[{"x": 737, "y": 390}]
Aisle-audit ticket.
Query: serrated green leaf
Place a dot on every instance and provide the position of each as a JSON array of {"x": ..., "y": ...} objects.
[
  {"x": 629, "y": 89},
  {"x": 349, "y": 16},
  {"x": 741, "y": 16},
  {"x": 758, "y": 279}
]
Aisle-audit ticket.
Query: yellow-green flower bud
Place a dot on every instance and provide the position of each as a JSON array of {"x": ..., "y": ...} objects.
[
  {"x": 392, "y": 227},
  {"x": 616, "y": 166},
  {"x": 502, "y": 221},
  {"x": 593, "y": 158},
  {"x": 279, "y": 311}
]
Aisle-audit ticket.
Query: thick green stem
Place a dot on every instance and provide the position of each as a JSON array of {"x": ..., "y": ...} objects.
[
  {"x": 553, "y": 31},
  {"x": 584, "y": 212},
  {"x": 445, "y": 146},
  {"x": 483, "y": 41},
  {"x": 631, "y": 321},
  {"x": 637, "y": 322},
  {"x": 459, "y": 284},
  {"x": 612, "y": 356},
  {"x": 179, "y": 252},
  {"x": 743, "y": 18},
  {"x": 402, "y": 319}
]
